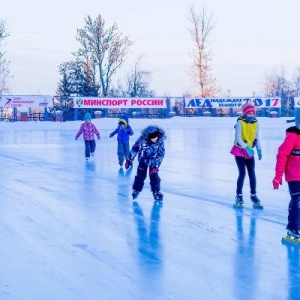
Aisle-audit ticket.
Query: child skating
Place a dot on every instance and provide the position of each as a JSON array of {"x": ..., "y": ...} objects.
[
  {"x": 124, "y": 131},
  {"x": 89, "y": 130},
  {"x": 288, "y": 163},
  {"x": 150, "y": 150},
  {"x": 246, "y": 138}
]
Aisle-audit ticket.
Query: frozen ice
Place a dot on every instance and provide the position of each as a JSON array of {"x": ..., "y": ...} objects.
[{"x": 70, "y": 229}]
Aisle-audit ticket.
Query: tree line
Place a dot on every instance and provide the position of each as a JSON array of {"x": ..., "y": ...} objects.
[{"x": 104, "y": 49}]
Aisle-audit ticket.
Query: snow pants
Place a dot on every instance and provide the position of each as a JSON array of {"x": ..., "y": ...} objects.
[
  {"x": 90, "y": 147},
  {"x": 140, "y": 177},
  {"x": 294, "y": 206},
  {"x": 242, "y": 165},
  {"x": 123, "y": 151}
]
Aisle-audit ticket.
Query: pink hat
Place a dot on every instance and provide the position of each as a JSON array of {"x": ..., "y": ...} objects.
[{"x": 247, "y": 108}]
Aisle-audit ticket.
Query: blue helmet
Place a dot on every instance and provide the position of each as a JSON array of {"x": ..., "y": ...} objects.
[{"x": 87, "y": 117}]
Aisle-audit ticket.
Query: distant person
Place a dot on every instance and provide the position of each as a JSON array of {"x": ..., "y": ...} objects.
[
  {"x": 124, "y": 131},
  {"x": 288, "y": 163},
  {"x": 150, "y": 149},
  {"x": 246, "y": 138},
  {"x": 88, "y": 129}
]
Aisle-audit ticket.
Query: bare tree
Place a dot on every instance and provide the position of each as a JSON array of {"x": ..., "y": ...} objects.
[
  {"x": 296, "y": 82},
  {"x": 137, "y": 81},
  {"x": 4, "y": 63},
  {"x": 106, "y": 47},
  {"x": 200, "y": 28}
]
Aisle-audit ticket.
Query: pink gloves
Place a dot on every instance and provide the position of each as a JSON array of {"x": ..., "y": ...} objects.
[{"x": 277, "y": 181}]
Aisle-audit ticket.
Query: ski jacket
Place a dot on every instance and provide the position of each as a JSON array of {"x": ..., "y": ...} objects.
[
  {"x": 149, "y": 153},
  {"x": 123, "y": 134},
  {"x": 246, "y": 134},
  {"x": 88, "y": 130},
  {"x": 288, "y": 156}
]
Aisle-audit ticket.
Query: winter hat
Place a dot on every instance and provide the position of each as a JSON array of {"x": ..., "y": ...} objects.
[
  {"x": 87, "y": 117},
  {"x": 297, "y": 117},
  {"x": 124, "y": 120},
  {"x": 247, "y": 108}
]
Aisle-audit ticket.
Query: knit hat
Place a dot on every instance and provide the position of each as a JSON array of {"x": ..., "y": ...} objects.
[
  {"x": 124, "y": 120},
  {"x": 87, "y": 117},
  {"x": 247, "y": 108}
]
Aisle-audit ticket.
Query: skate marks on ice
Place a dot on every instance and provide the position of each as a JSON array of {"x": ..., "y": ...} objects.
[
  {"x": 290, "y": 240},
  {"x": 240, "y": 206}
]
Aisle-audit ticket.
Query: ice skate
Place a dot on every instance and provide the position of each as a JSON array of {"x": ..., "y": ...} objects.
[
  {"x": 135, "y": 194},
  {"x": 92, "y": 154},
  {"x": 158, "y": 196},
  {"x": 120, "y": 163},
  {"x": 292, "y": 236},
  {"x": 239, "y": 201},
  {"x": 256, "y": 202}
]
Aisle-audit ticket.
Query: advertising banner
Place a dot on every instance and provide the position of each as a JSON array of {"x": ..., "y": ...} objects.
[
  {"x": 231, "y": 102},
  {"x": 94, "y": 102},
  {"x": 10, "y": 101}
]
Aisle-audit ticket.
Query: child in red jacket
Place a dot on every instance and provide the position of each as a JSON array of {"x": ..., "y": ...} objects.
[
  {"x": 288, "y": 163},
  {"x": 89, "y": 130}
]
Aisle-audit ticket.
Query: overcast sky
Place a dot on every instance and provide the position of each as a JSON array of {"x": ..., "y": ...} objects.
[{"x": 251, "y": 38}]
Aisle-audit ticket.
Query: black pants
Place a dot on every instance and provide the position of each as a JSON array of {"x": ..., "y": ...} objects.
[
  {"x": 294, "y": 206},
  {"x": 90, "y": 146},
  {"x": 242, "y": 165},
  {"x": 140, "y": 177}
]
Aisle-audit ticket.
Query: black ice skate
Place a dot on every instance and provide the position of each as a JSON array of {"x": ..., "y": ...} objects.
[
  {"x": 135, "y": 194},
  {"x": 239, "y": 201},
  {"x": 292, "y": 236},
  {"x": 256, "y": 202},
  {"x": 120, "y": 163},
  {"x": 158, "y": 196}
]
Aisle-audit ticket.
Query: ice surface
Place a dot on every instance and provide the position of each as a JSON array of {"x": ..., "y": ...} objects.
[{"x": 70, "y": 230}]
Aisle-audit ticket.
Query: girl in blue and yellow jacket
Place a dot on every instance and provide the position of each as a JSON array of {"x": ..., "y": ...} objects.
[{"x": 246, "y": 138}]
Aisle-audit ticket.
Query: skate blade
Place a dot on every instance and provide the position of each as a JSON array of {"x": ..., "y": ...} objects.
[
  {"x": 291, "y": 239},
  {"x": 235, "y": 205},
  {"x": 258, "y": 206}
]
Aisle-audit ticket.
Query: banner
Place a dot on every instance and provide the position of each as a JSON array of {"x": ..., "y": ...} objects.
[
  {"x": 94, "y": 102},
  {"x": 231, "y": 102},
  {"x": 7, "y": 101}
]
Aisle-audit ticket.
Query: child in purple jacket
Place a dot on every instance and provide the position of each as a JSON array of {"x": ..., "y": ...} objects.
[{"x": 88, "y": 130}]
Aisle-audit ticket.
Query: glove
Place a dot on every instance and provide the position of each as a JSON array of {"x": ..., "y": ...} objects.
[
  {"x": 98, "y": 136},
  {"x": 259, "y": 154},
  {"x": 76, "y": 138},
  {"x": 250, "y": 151},
  {"x": 111, "y": 135},
  {"x": 128, "y": 164},
  {"x": 153, "y": 171},
  {"x": 277, "y": 181}
]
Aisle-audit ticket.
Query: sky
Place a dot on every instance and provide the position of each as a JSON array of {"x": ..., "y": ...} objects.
[{"x": 250, "y": 40}]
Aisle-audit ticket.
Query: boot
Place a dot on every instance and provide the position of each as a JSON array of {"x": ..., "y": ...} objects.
[
  {"x": 158, "y": 196},
  {"x": 239, "y": 199},
  {"x": 135, "y": 194}
]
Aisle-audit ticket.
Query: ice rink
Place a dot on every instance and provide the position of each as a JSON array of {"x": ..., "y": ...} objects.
[{"x": 70, "y": 230}]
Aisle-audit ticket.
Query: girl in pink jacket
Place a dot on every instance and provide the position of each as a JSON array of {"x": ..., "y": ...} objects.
[
  {"x": 89, "y": 130},
  {"x": 288, "y": 163}
]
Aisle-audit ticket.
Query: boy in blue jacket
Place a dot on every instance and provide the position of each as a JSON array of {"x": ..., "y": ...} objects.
[{"x": 124, "y": 131}]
